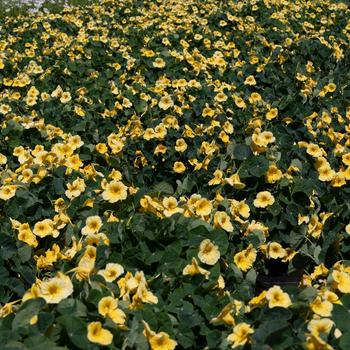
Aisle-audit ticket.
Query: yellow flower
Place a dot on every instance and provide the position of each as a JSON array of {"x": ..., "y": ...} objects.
[
  {"x": 93, "y": 224},
  {"x": 170, "y": 205},
  {"x": 209, "y": 253},
  {"x": 321, "y": 307},
  {"x": 323, "y": 325},
  {"x": 331, "y": 87},
  {"x": 111, "y": 272},
  {"x": 7, "y": 192},
  {"x": 275, "y": 251},
  {"x": 273, "y": 174},
  {"x": 4, "y": 109},
  {"x": 250, "y": 80},
  {"x": 165, "y": 102},
  {"x": 158, "y": 341},
  {"x": 99, "y": 335},
  {"x": 240, "y": 335},
  {"x": 263, "y": 199},
  {"x": 65, "y": 97},
  {"x": 159, "y": 63},
  {"x": 277, "y": 298},
  {"x": 347, "y": 229},
  {"x": 56, "y": 289},
  {"x": 108, "y": 307},
  {"x": 342, "y": 280},
  {"x": 239, "y": 102},
  {"x": 194, "y": 269},
  {"x": 180, "y": 145},
  {"x": 144, "y": 295},
  {"x": 240, "y": 208},
  {"x": 226, "y": 315},
  {"x": 221, "y": 219},
  {"x": 115, "y": 191},
  {"x": 235, "y": 181},
  {"x": 179, "y": 167},
  {"x": 203, "y": 207},
  {"x": 326, "y": 173},
  {"x": 245, "y": 259},
  {"x": 45, "y": 228},
  {"x": 272, "y": 114}
]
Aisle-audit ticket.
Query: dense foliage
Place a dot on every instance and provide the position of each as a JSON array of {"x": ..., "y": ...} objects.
[{"x": 175, "y": 174}]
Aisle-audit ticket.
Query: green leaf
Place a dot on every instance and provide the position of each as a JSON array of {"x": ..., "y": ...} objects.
[
  {"x": 72, "y": 307},
  {"x": 29, "y": 309},
  {"x": 345, "y": 341},
  {"x": 163, "y": 187},
  {"x": 341, "y": 317},
  {"x": 241, "y": 152},
  {"x": 76, "y": 330}
]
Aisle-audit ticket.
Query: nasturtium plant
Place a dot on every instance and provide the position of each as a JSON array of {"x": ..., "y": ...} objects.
[{"x": 174, "y": 174}]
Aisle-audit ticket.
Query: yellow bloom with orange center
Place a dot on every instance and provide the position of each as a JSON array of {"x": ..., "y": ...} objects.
[
  {"x": 221, "y": 219},
  {"x": 179, "y": 167},
  {"x": 115, "y": 191},
  {"x": 272, "y": 114},
  {"x": 166, "y": 102},
  {"x": 342, "y": 280},
  {"x": 7, "y": 192},
  {"x": 241, "y": 334},
  {"x": 321, "y": 307},
  {"x": 111, "y": 272},
  {"x": 194, "y": 269},
  {"x": 277, "y": 298},
  {"x": 264, "y": 199},
  {"x": 97, "y": 334},
  {"x": 45, "y": 228},
  {"x": 158, "y": 341},
  {"x": 245, "y": 259},
  {"x": 92, "y": 225},
  {"x": 203, "y": 207},
  {"x": 209, "y": 253}
]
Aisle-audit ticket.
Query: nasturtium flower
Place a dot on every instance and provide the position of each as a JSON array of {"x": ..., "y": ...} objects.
[
  {"x": 159, "y": 63},
  {"x": 111, "y": 272},
  {"x": 342, "y": 281},
  {"x": 320, "y": 326},
  {"x": 115, "y": 191},
  {"x": 166, "y": 102},
  {"x": 241, "y": 334},
  {"x": 264, "y": 199},
  {"x": 245, "y": 259},
  {"x": 250, "y": 80},
  {"x": 277, "y": 298},
  {"x": 7, "y": 192},
  {"x": 203, "y": 207},
  {"x": 5, "y": 108},
  {"x": 194, "y": 269},
  {"x": 180, "y": 145},
  {"x": 56, "y": 289},
  {"x": 273, "y": 174},
  {"x": 65, "y": 97},
  {"x": 321, "y": 307},
  {"x": 92, "y": 225},
  {"x": 171, "y": 206},
  {"x": 3, "y": 159},
  {"x": 209, "y": 253},
  {"x": 97, "y": 334},
  {"x": 179, "y": 167},
  {"x": 45, "y": 228},
  {"x": 275, "y": 251},
  {"x": 108, "y": 307},
  {"x": 221, "y": 219},
  {"x": 272, "y": 114},
  {"x": 158, "y": 341}
]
